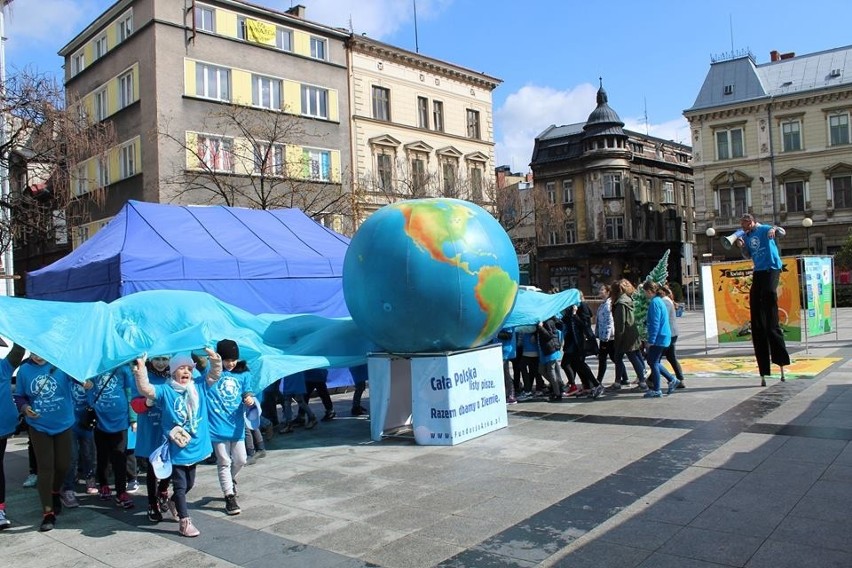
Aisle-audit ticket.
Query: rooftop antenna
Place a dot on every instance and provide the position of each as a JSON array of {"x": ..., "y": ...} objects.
[
  {"x": 645, "y": 100},
  {"x": 731, "y": 26},
  {"x": 416, "y": 43}
]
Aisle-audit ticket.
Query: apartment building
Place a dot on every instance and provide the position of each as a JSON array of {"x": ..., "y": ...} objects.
[
  {"x": 773, "y": 139},
  {"x": 420, "y": 127},
  {"x": 221, "y": 101},
  {"x": 608, "y": 203}
]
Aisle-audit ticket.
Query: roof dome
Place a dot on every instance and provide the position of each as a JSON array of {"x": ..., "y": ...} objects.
[{"x": 603, "y": 121}]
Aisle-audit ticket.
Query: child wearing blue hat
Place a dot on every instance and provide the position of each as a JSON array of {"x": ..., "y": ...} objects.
[{"x": 183, "y": 402}]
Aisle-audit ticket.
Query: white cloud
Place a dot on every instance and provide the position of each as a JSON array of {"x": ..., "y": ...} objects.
[
  {"x": 527, "y": 112},
  {"x": 376, "y": 18}
]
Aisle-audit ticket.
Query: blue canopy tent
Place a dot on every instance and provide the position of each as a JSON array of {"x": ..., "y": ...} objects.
[{"x": 277, "y": 261}]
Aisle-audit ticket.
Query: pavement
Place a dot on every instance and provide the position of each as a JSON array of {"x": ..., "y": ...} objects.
[{"x": 722, "y": 473}]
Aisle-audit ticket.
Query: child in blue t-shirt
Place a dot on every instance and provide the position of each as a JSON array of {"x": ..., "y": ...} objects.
[{"x": 183, "y": 402}]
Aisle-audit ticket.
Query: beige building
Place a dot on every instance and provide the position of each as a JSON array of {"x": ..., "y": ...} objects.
[
  {"x": 214, "y": 102},
  {"x": 773, "y": 139},
  {"x": 420, "y": 127},
  {"x": 608, "y": 203}
]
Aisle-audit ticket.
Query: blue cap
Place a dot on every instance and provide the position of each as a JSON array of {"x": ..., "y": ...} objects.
[{"x": 161, "y": 461}]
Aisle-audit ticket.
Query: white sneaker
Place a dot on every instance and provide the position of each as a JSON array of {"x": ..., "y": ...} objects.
[
  {"x": 4, "y": 522},
  {"x": 31, "y": 480},
  {"x": 69, "y": 499}
]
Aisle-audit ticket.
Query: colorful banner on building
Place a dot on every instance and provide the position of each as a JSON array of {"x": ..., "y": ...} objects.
[
  {"x": 260, "y": 32},
  {"x": 458, "y": 396},
  {"x": 731, "y": 287},
  {"x": 819, "y": 287}
]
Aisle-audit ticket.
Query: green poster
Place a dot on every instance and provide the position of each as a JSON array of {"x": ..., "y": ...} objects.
[{"x": 819, "y": 285}]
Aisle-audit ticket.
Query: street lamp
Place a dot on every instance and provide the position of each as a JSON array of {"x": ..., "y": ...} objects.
[
  {"x": 710, "y": 232},
  {"x": 807, "y": 223}
]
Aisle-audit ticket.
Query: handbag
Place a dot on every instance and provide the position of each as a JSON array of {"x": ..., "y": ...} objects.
[
  {"x": 179, "y": 436},
  {"x": 89, "y": 419}
]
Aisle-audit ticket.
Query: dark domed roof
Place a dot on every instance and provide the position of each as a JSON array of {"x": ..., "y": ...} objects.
[{"x": 603, "y": 120}]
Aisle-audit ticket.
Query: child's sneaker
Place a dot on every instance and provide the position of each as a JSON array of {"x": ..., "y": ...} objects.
[
  {"x": 329, "y": 415},
  {"x": 4, "y": 522},
  {"x": 105, "y": 494},
  {"x": 154, "y": 514},
  {"x": 124, "y": 501},
  {"x": 187, "y": 528},
  {"x": 672, "y": 386},
  {"x": 573, "y": 389},
  {"x": 31, "y": 480},
  {"x": 132, "y": 486},
  {"x": 311, "y": 423},
  {"x": 231, "y": 506},
  {"x": 48, "y": 522},
  {"x": 69, "y": 499},
  {"x": 286, "y": 428},
  {"x": 653, "y": 394},
  {"x": 511, "y": 401},
  {"x": 163, "y": 502},
  {"x": 91, "y": 486}
]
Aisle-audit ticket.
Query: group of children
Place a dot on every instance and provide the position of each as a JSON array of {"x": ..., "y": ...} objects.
[
  {"x": 190, "y": 404},
  {"x": 533, "y": 356}
]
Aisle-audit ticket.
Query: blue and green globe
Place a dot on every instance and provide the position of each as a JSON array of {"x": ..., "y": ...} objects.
[{"x": 430, "y": 275}]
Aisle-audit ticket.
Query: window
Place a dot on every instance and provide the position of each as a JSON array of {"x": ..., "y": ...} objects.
[
  {"x": 78, "y": 63},
  {"x": 125, "y": 89},
  {"x": 791, "y": 138},
  {"x": 102, "y": 166},
  {"x": 795, "y": 194},
  {"x": 284, "y": 39},
  {"x": 212, "y": 82},
  {"x": 449, "y": 174},
  {"x": 476, "y": 182},
  {"x": 732, "y": 202},
  {"x": 318, "y": 48},
  {"x": 205, "y": 19},
  {"x": 100, "y": 47},
  {"x": 612, "y": 185},
  {"x": 438, "y": 115},
  {"x": 567, "y": 191},
  {"x": 266, "y": 92},
  {"x": 550, "y": 190},
  {"x": 570, "y": 233},
  {"x": 319, "y": 164},
  {"x": 615, "y": 228},
  {"x": 216, "y": 153},
  {"x": 838, "y": 128},
  {"x": 668, "y": 192},
  {"x": 127, "y": 160},
  {"x": 125, "y": 26},
  {"x": 841, "y": 187},
  {"x": 242, "y": 33},
  {"x": 314, "y": 101},
  {"x": 101, "y": 105},
  {"x": 81, "y": 181},
  {"x": 269, "y": 159},
  {"x": 384, "y": 171},
  {"x": 381, "y": 103},
  {"x": 422, "y": 112},
  {"x": 553, "y": 238},
  {"x": 473, "y": 130},
  {"x": 418, "y": 175},
  {"x": 729, "y": 144}
]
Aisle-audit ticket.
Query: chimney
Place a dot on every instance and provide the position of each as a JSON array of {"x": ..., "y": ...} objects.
[
  {"x": 774, "y": 55},
  {"x": 298, "y": 10},
  {"x": 788, "y": 55}
]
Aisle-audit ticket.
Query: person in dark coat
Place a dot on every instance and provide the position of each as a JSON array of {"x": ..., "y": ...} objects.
[{"x": 578, "y": 331}]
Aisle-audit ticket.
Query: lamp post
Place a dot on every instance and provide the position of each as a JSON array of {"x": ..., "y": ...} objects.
[
  {"x": 807, "y": 223},
  {"x": 710, "y": 232}
]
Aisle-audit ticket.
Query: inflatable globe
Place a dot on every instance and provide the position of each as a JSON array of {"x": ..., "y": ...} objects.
[{"x": 430, "y": 275}]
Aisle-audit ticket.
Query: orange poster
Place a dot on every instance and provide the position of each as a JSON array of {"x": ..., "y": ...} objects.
[{"x": 731, "y": 286}]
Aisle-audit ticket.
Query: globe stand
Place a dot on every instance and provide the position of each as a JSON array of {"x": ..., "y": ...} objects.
[{"x": 447, "y": 398}]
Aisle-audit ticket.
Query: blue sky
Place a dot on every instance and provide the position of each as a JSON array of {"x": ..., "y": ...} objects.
[{"x": 653, "y": 55}]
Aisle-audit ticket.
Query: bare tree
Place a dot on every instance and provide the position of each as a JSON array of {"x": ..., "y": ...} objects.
[
  {"x": 47, "y": 135},
  {"x": 257, "y": 164}
]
